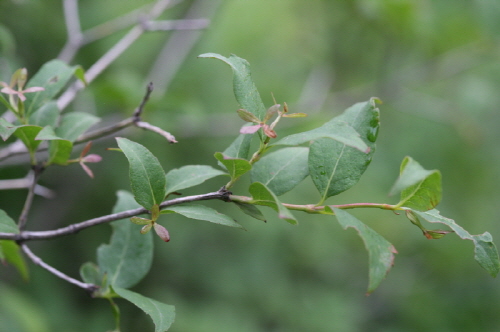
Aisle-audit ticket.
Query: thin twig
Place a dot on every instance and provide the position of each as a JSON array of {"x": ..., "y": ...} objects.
[
  {"x": 184, "y": 24},
  {"x": 38, "y": 261},
  {"x": 146, "y": 125},
  {"x": 75, "y": 36},
  {"x": 26, "y": 182},
  {"x": 110, "y": 56},
  {"x": 178, "y": 46},
  {"x": 222, "y": 194},
  {"x": 23, "y": 218}
]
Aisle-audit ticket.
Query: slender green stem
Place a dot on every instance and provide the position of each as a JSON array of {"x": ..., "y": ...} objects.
[
  {"x": 116, "y": 313},
  {"x": 312, "y": 208}
]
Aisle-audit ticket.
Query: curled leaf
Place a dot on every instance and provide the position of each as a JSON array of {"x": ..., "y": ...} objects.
[
  {"x": 146, "y": 228},
  {"x": 247, "y": 116}
]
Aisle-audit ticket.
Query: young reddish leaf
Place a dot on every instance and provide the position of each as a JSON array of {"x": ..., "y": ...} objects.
[
  {"x": 247, "y": 116},
  {"x": 162, "y": 232}
]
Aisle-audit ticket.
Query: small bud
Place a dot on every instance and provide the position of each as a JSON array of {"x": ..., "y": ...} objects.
[
  {"x": 146, "y": 228},
  {"x": 140, "y": 221},
  {"x": 271, "y": 111},
  {"x": 269, "y": 132},
  {"x": 247, "y": 116},
  {"x": 162, "y": 232},
  {"x": 435, "y": 234}
]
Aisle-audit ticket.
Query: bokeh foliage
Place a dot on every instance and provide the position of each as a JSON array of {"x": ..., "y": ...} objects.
[{"x": 435, "y": 66}]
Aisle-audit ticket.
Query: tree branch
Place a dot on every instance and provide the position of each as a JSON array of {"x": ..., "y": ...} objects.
[
  {"x": 221, "y": 194},
  {"x": 110, "y": 56},
  {"x": 38, "y": 261},
  {"x": 23, "y": 218}
]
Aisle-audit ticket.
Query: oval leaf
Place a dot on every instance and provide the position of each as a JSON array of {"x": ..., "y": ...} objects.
[
  {"x": 189, "y": 176},
  {"x": 53, "y": 77},
  {"x": 128, "y": 256},
  {"x": 74, "y": 124},
  {"x": 380, "y": 251},
  {"x": 245, "y": 91},
  {"x": 420, "y": 188},
  {"x": 147, "y": 177},
  {"x": 335, "y": 166},
  {"x": 240, "y": 147},
  {"x": 282, "y": 170},
  {"x": 261, "y": 195},
  {"x": 201, "y": 212},
  {"x": 163, "y": 315},
  {"x": 236, "y": 167}
]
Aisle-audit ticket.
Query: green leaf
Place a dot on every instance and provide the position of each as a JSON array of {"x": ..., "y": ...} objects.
[
  {"x": 282, "y": 170},
  {"x": 380, "y": 251},
  {"x": 6, "y": 129},
  {"x": 59, "y": 149},
  {"x": 163, "y": 315},
  {"x": 486, "y": 253},
  {"x": 47, "y": 115},
  {"x": 201, "y": 212},
  {"x": 240, "y": 147},
  {"x": 74, "y": 124},
  {"x": 235, "y": 166},
  {"x": 245, "y": 91},
  {"x": 336, "y": 130},
  {"x": 128, "y": 256},
  {"x": 27, "y": 135},
  {"x": 420, "y": 188},
  {"x": 252, "y": 211},
  {"x": 12, "y": 254},
  {"x": 7, "y": 225},
  {"x": 335, "y": 166},
  {"x": 189, "y": 176},
  {"x": 147, "y": 177},
  {"x": 91, "y": 274},
  {"x": 53, "y": 76},
  {"x": 261, "y": 195}
]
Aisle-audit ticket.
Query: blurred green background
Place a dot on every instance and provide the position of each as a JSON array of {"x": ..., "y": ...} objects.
[{"x": 434, "y": 64}]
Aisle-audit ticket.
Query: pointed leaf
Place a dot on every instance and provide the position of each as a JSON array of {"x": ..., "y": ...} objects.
[
  {"x": 163, "y": 315},
  {"x": 336, "y": 130},
  {"x": 27, "y": 135},
  {"x": 6, "y": 129},
  {"x": 189, "y": 176},
  {"x": 59, "y": 149},
  {"x": 90, "y": 274},
  {"x": 380, "y": 251},
  {"x": 263, "y": 196},
  {"x": 486, "y": 253},
  {"x": 201, "y": 212},
  {"x": 53, "y": 77},
  {"x": 47, "y": 115},
  {"x": 10, "y": 252},
  {"x": 147, "y": 177},
  {"x": 282, "y": 170},
  {"x": 74, "y": 124},
  {"x": 7, "y": 225},
  {"x": 335, "y": 166},
  {"x": 235, "y": 166},
  {"x": 128, "y": 256},
  {"x": 420, "y": 188},
  {"x": 252, "y": 211},
  {"x": 245, "y": 91},
  {"x": 240, "y": 147}
]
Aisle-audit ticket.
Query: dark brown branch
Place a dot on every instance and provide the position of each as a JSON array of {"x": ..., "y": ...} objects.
[
  {"x": 222, "y": 194},
  {"x": 38, "y": 261}
]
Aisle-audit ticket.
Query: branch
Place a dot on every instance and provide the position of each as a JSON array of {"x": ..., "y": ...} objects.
[
  {"x": 38, "y": 261},
  {"x": 75, "y": 36},
  {"x": 221, "y": 194},
  {"x": 110, "y": 56},
  {"x": 23, "y": 218},
  {"x": 26, "y": 183}
]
